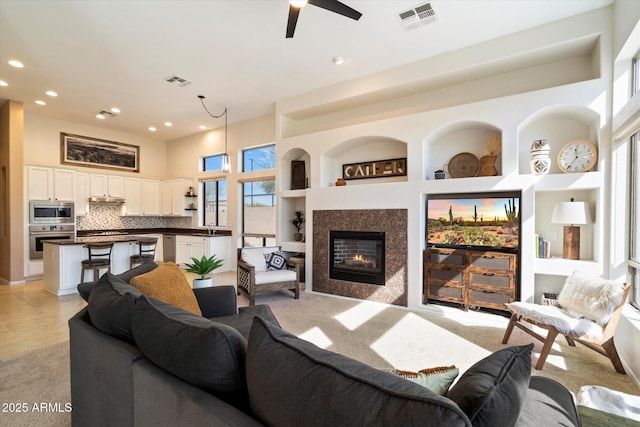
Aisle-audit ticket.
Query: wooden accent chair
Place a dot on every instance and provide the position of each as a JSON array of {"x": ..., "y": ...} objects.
[
  {"x": 256, "y": 275},
  {"x": 592, "y": 325}
]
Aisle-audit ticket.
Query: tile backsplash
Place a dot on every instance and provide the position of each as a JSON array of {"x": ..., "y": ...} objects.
[{"x": 107, "y": 217}]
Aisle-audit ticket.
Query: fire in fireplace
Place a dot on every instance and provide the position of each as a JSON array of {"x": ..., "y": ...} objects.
[{"x": 357, "y": 256}]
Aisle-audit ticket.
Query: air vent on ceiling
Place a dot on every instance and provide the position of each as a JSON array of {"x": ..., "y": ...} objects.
[
  {"x": 420, "y": 15},
  {"x": 177, "y": 80},
  {"x": 108, "y": 113}
]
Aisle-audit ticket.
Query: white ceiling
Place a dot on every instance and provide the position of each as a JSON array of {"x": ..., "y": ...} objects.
[{"x": 99, "y": 54}]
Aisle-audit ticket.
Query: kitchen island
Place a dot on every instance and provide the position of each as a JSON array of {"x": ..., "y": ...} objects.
[{"x": 62, "y": 259}]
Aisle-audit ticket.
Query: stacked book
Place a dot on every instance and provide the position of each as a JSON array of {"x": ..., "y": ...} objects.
[{"x": 543, "y": 247}]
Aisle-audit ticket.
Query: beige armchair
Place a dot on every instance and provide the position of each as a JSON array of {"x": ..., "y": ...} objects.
[{"x": 265, "y": 269}]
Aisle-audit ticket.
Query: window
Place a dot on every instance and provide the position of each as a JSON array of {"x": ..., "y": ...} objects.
[
  {"x": 257, "y": 159},
  {"x": 212, "y": 163},
  {"x": 214, "y": 209},
  {"x": 259, "y": 213},
  {"x": 635, "y": 74},
  {"x": 634, "y": 223}
]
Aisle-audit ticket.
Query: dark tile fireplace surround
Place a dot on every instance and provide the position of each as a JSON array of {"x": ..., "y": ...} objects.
[{"x": 364, "y": 254}]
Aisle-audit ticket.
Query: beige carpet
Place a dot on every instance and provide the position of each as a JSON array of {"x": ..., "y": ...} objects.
[
  {"x": 376, "y": 334},
  {"x": 387, "y": 337}
]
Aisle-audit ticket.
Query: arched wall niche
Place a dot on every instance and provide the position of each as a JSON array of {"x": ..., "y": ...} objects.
[
  {"x": 455, "y": 138},
  {"x": 361, "y": 149},
  {"x": 286, "y": 166},
  {"x": 559, "y": 125}
]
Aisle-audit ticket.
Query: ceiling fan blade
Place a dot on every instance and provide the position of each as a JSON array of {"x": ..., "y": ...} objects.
[
  {"x": 293, "y": 19},
  {"x": 337, "y": 7}
]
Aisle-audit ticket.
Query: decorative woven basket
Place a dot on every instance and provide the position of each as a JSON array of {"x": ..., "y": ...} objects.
[{"x": 464, "y": 165}]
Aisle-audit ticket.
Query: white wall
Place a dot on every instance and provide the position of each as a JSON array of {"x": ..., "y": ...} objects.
[{"x": 42, "y": 145}]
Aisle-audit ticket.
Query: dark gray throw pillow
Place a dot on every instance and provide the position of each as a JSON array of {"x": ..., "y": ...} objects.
[
  {"x": 202, "y": 352},
  {"x": 493, "y": 390},
  {"x": 292, "y": 382},
  {"x": 111, "y": 304},
  {"x": 84, "y": 289}
]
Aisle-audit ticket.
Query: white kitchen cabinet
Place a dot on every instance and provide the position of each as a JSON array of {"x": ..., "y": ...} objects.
[
  {"x": 81, "y": 193},
  {"x": 174, "y": 201},
  {"x": 188, "y": 247},
  {"x": 62, "y": 269},
  {"x": 151, "y": 197},
  {"x": 220, "y": 246},
  {"x": 106, "y": 185},
  {"x": 50, "y": 183},
  {"x": 120, "y": 256},
  {"x": 132, "y": 196}
]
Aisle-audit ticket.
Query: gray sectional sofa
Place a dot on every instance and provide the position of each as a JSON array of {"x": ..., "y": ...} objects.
[{"x": 136, "y": 361}]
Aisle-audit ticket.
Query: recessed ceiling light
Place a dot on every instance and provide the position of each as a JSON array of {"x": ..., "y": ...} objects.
[
  {"x": 16, "y": 63},
  {"x": 168, "y": 124},
  {"x": 152, "y": 129},
  {"x": 202, "y": 127},
  {"x": 39, "y": 102},
  {"x": 51, "y": 93},
  {"x": 338, "y": 60},
  {"x": 115, "y": 110},
  {"x": 3, "y": 83},
  {"x": 101, "y": 116}
]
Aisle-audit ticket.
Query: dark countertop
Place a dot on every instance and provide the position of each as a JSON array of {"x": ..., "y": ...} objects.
[{"x": 132, "y": 234}]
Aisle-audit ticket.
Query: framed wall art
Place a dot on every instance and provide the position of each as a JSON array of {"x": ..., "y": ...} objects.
[{"x": 98, "y": 153}]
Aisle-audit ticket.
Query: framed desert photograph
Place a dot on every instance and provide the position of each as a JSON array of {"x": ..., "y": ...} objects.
[{"x": 98, "y": 153}]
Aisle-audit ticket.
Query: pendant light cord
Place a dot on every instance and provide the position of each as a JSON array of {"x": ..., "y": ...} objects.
[{"x": 224, "y": 113}]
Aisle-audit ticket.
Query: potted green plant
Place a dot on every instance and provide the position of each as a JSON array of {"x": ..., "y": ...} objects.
[
  {"x": 297, "y": 223},
  {"x": 202, "y": 267}
]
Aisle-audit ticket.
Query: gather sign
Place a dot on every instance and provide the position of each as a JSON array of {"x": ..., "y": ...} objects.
[{"x": 375, "y": 169}]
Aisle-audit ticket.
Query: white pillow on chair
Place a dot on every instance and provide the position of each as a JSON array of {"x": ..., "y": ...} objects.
[
  {"x": 591, "y": 297},
  {"x": 254, "y": 257}
]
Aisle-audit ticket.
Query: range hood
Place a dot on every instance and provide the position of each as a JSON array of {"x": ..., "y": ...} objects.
[{"x": 107, "y": 200}]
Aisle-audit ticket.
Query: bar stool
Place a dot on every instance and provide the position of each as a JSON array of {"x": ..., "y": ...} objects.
[
  {"x": 146, "y": 251},
  {"x": 99, "y": 258}
]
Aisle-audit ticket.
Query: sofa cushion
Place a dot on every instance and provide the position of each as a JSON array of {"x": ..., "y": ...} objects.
[
  {"x": 292, "y": 382},
  {"x": 111, "y": 305},
  {"x": 84, "y": 289},
  {"x": 202, "y": 352},
  {"x": 168, "y": 283},
  {"x": 493, "y": 390},
  {"x": 275, "y": 261}
]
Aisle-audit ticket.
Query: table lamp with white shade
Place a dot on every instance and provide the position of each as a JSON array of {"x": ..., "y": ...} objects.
[{"x": 572, "y": 214}]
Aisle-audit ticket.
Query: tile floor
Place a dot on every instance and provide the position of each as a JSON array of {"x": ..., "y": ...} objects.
[{"x": 31, "y": 317}]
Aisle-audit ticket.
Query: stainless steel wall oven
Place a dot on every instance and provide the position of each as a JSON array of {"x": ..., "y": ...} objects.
[{"x": 39, "y": 233}]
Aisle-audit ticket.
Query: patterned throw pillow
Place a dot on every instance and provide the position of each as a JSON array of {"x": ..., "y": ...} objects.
[
  {"x": 436, "y": 379},
  {"x": 275, "y": 261}
]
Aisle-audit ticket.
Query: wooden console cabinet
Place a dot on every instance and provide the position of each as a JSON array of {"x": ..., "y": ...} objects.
[{"x": 470, "y": 277}]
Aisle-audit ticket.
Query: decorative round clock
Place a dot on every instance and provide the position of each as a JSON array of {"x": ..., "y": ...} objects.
[{"x": 577, "y": 156}]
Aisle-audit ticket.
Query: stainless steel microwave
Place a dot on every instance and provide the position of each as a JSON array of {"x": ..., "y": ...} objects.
[{"x": 47, "y": 212}]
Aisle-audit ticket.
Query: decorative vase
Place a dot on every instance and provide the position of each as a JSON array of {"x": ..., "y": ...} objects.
[
  {"x": 540, "y": 162},
  {"x": 202, "y": 283},
  {"x": 341, "y": 182},
  {"x": 488, "y": 166}
]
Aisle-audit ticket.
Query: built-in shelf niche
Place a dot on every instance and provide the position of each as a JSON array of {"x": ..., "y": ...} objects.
[
  {"x": 358, "y": 150},
  {"x": 455, "y": 138},
  {"x": 559, "y": 125},
  {"x": 297, "y": 154}
]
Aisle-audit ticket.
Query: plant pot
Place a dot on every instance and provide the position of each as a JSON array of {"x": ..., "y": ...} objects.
[
  {"x": 202, "y": 283},
  {"x": 297, "y": 237}
]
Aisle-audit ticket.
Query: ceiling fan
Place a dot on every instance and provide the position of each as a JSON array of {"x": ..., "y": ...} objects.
[{"x": 330, "y": 5}]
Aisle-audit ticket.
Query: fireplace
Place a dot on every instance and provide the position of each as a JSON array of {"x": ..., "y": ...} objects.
[{"x": 357, "y": 256}]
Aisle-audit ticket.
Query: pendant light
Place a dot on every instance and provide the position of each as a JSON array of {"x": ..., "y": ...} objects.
[{"x": 226, "y": 159}]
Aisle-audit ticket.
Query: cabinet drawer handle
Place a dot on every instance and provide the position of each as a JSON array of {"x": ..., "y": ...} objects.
[
  {"x": 488, "y": 274},
  {"x": 488, "y": 256}
]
